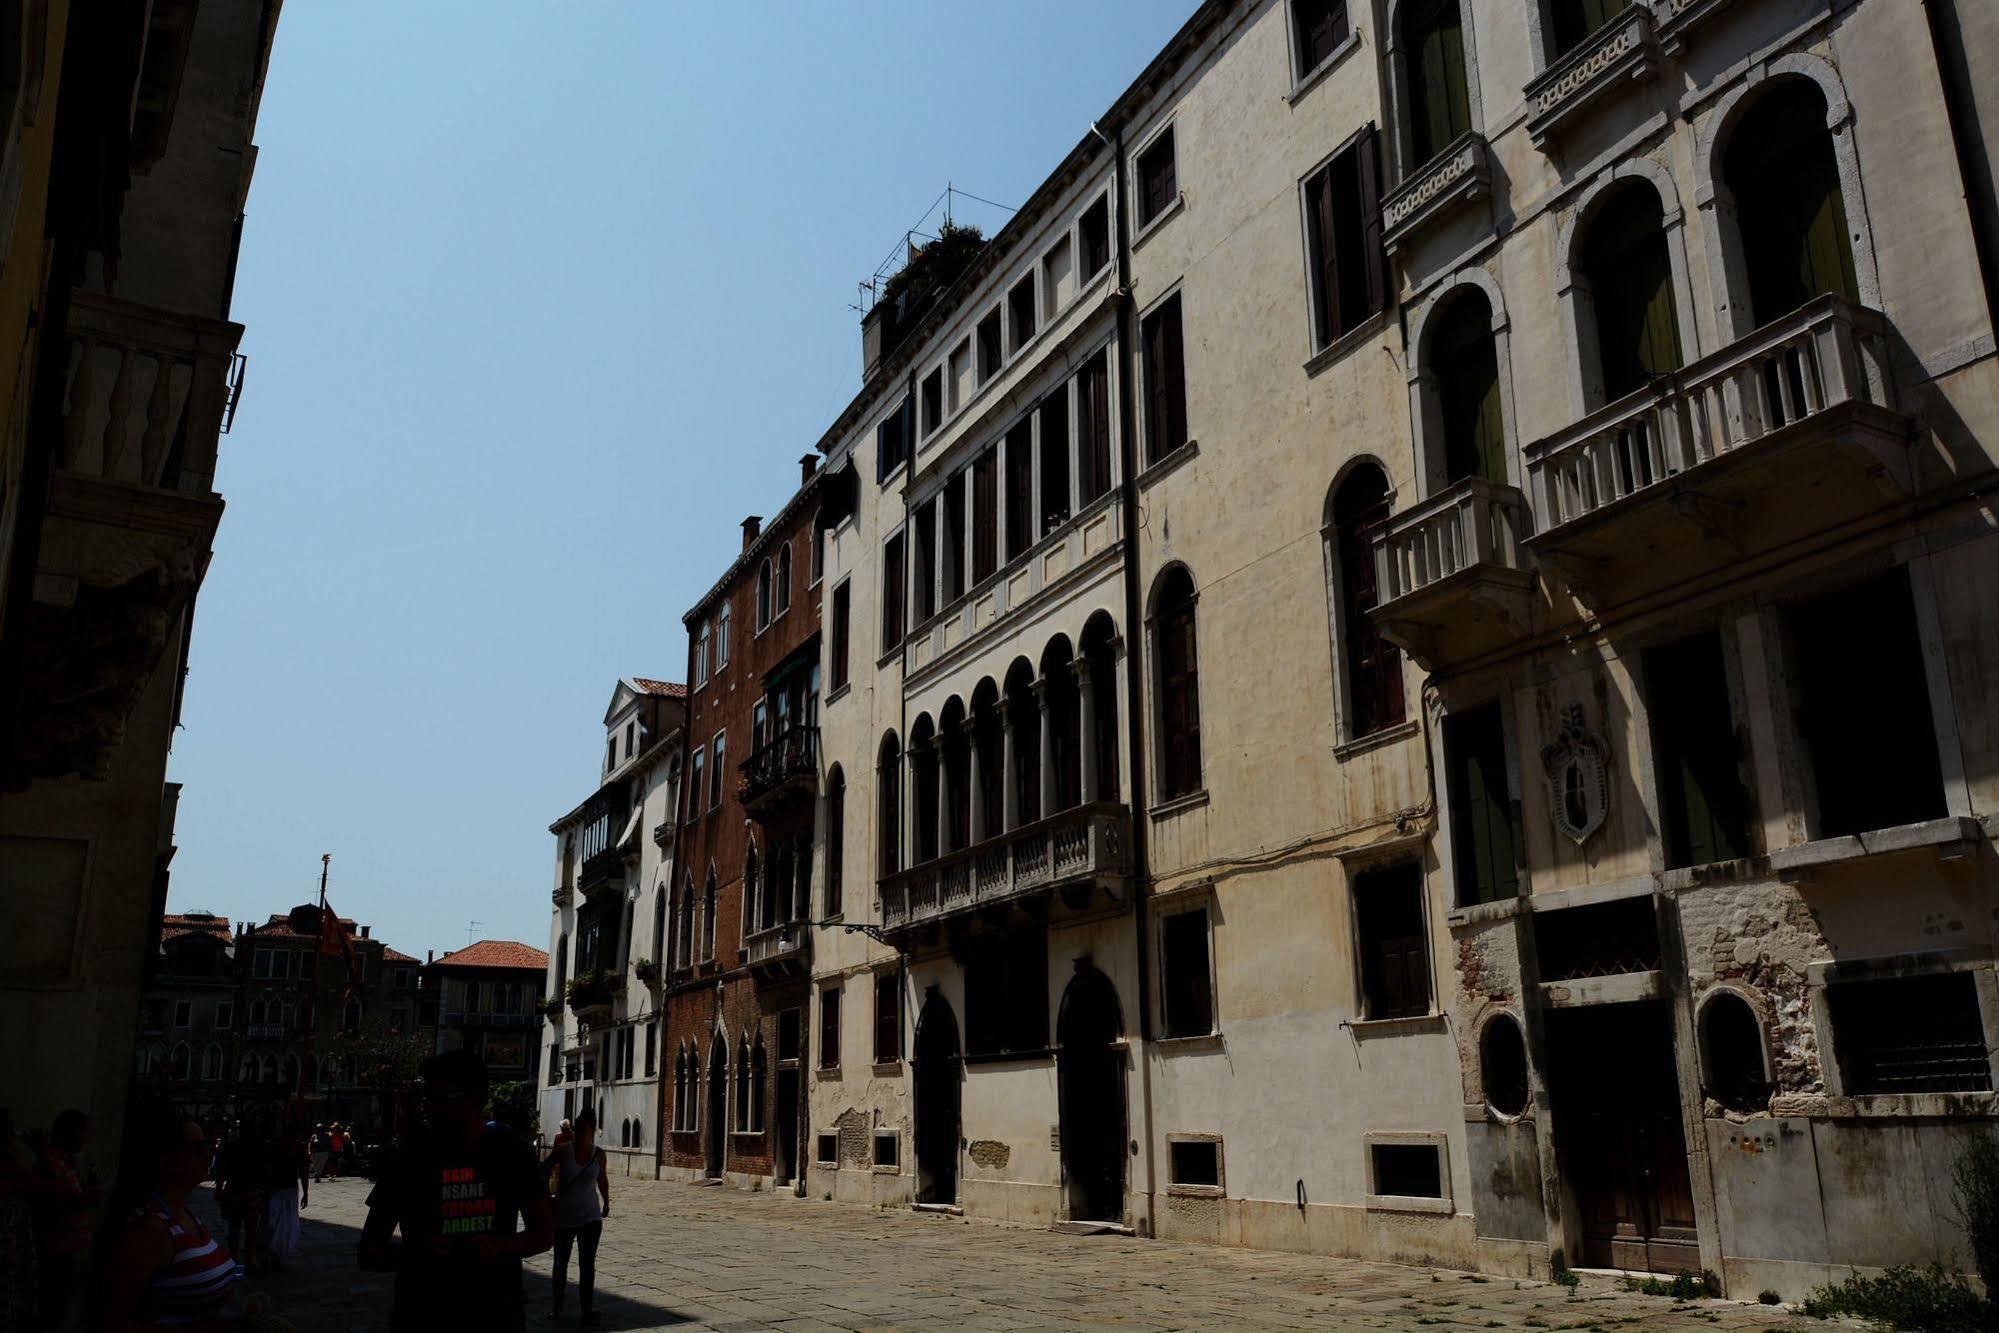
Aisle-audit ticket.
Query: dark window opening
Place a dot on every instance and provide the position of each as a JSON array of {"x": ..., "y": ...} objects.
[
  {"x": 954, "y": 539},
  {"x": 888, "y": 1149},
  {"x": 1373, "y": 664},
  {"x": 892, "y": 441},
  {"x": 842, "y": 604},
  {"x": 1165, "y": 371},
  {"x": 1094, "y": 231},
  {"x": 1464, "y": 358},
  {"x": 1502, "y": 1066},
  {"x": 1179, "y": 687},
  {"x": 836, "y": 842},
  {"x": 790, "y": 1024},
  {"x": 990, "y": 352},
  {"x": 1486, "y": 837},
  {"x": 1703, "y": 795},
  {"x": 1863, "y": 708},
  {"x": 1158, "y": 178},
  {"x": 1408, "y": 1170},
  {"x": 1349, "y": 275},
  {"x": 1319, "y": 27},
  {"x": 1188, "y": 997},
  {"x": 1020, "y": 312},
  {"x": 926, "y": 561},
  {"x": 1630, "y": 278},
  {"x": 1910, "y": 1034},
  {"x": 985, "y": 516},
  {"x": 1055, "y": 460},
  {"x": 1019, "y": 489},
  {"x": 1006, "y": 994},
  {"x": 933, "y": 401},
  {"x": 829, "y": 1149},
  {"x": 1572, "y": 21},
  {"x": 892, "y": 576},
  {"x": 1600, "y": 940},
  {"x": 1731, "y": 1043},
  {"x": 1195, "y": 1162},
  {"x": 1789, "y": 204},
  {"x": 829, "y": 1028},
  {"x": 1433, "y": 51},
  {"x": 888, "y": 1018},
  {"x": 1093, "y": 430},
  {"x": 1394, "y": 953}
]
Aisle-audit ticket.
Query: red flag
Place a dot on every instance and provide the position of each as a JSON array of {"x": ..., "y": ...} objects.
[{"x": 337, "y": 941}]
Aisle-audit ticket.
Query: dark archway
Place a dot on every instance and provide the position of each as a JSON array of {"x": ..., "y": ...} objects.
[
  {"x": 718, "y": 1106},
  {"x": 1090, "y": 1074},
  {"x": 1790, "y": 207},
  {"x": 939, "y": 1101}
]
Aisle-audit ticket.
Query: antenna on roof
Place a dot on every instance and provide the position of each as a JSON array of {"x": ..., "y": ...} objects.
[{"x": 472, "y": 928}]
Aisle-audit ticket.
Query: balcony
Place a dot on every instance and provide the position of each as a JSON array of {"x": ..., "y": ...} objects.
[
  {"x": 265, "y": 1032},
  {"x": 785, "y": 766},
  {"x": 1675, "y": 20},
  {"x": 1620, "y": 53},
  {"x": 1450, "y": 575},
  {"x": 1786, "y": 432},
  {"x": 1457, "y": 177},
  {"x": 602, "y": 871},
  {"x": 780, "y": 950},
  {"x": 129, "y": 521},
  {"x": 589, "y": 997},
  {"x": 1077, "y": 851}
]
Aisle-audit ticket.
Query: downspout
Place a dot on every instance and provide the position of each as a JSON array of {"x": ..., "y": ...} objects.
[
  {"x": 1133, "y": 673},
  {"x": 905, "y": 790},
  {"x": 1966, "y": 138}
]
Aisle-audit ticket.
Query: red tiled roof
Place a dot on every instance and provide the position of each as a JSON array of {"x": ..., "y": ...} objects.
[
  {"x": 395, "y": 955},
  {"x": 495, "y": 953},
  {"x": 665, "y": 689},
  {"x": 173, "y": 926}
]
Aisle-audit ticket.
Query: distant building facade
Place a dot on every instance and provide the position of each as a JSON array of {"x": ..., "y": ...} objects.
[
  {"x": 488, "y": 998},
  {"x": 187, "y": 1014}
]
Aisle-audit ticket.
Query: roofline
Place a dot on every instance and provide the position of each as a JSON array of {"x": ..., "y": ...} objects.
[
  {"x": 763, "y": 539},
  {"x": 649, "y": 756}
]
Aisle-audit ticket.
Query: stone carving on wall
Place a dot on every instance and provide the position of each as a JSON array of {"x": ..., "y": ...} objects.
[{"x": 1577, "y": 764}]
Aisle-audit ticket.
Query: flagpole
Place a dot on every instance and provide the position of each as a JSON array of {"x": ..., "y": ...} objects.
[{"x": 312, "y": 1008}]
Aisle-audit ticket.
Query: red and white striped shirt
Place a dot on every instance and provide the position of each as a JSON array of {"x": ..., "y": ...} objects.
[{"x": 198, "y": 1283}]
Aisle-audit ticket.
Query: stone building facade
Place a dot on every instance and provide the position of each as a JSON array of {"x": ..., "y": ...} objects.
[
  {"x": 607, "y": 929},
  {"x": 188, "y": 1016},
  {"x": 488, "y": 999}
]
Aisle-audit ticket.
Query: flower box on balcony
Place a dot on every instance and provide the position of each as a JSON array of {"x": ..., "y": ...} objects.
[{"x": 647, "y": 971}]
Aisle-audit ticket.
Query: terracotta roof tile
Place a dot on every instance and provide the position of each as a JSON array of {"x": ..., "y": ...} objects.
[
  {"x": 665, "y": 689},
  {"x": 396, "y": 956},
  {"x": 495, "y": 953}
]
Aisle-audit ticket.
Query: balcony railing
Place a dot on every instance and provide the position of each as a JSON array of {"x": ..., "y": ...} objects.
[
  {"x": 1472, "y": 523},
  {"x": 601, "y": 869},
  {"x": 788, "y": 761},
  {"x": 265, "y": 1031},
  {"x": 590, "y": 996},
  {"x": 1826, "y": 355},
  {"x": 1085, "y": 843},
  {"x": 1459, "y": 175},
  {"x": 775, "y": 944},
  {"x": 1616, "y": 55}
]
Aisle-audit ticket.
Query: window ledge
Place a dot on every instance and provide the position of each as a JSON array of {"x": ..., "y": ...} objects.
[
  {"x": 1167, "y": 809},
  {"x": 1952, "y": 837},
  {"x": 1375, "y": 740},
  {"x": 1200, "y": 1044},
  {"x": 1364, "y": 1029},
  {"x": 1312, "y": 78},
  {"x": 1403, "y": 1203},
  {"x": 886, "y": 1170},
  {"x": 827, "y": 1073},
  {"x": 1195, "y": 1191},
  {"x": 1158, "y": 220},
  {"x": 1186, "y": 453},
  {"x": 746, "y": 1133},
  {"x": 1479, "y": 914},
  {"x": 842, "y": 692},
  {"x": 887, "y": 1068},
  {"x": 894, "y": 652},
  {"x": 1347, "y": 342}
]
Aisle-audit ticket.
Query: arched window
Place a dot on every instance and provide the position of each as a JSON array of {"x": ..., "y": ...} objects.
[
  {"x": 1023, "y": 712},
  {"x": 683, "y": 950},
  {"x": 763, "y": 594},
  {"x": 700, "y": 656},
  {"x": 1462, "y": 362},
  {"x": 1062, "y": 704},
  {"x": 988, "y": 734},
  {"x": 708, "y": 917},
  {"x": 624, "y": 1133},
  {"x": 783, "y": 578},
  {"x": 1433, "y": 60},
  {"x": 1099, "y": 644},
  {"x": 1732, "y": 1060},
  {"x": 923, "y": 774},
  {"x": 836, "y": 838},
  {"x": 955, "y": 744},
  {"x": 1571, "y": 21},
  {"x": 743, "y": 1125},
  {"x": 246, "y": 1071},
  {"x": 638, "y": 1132},
  {"x": 1624, "y": 262},
  {"x": 722, "y": 619},
  {"x": 179, "y": 1062},
  {"x": 211, "y": 1062},
  {"x": 1790, "y": 209},
  {"x": 288, "y": 1071},
  {"x": 659, "y": 925},
  {"x": 888, "y": 815},
  {"x": 350, "y": 1015},
  {"x": 1502, "y": 1065},
  {"x": 758, "y": 1084},
  {"x": 1371, "y": 667},
  {"x": 1179, "y": 684},
  {"x": 561, "y": 964}
]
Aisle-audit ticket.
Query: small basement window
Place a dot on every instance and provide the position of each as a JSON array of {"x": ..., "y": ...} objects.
[
  {"x": 1195, "y": 1162},
  {"x": 888, "y": 1149},
  {"x": 1601, "y": 940},
  {"x": 1408, "y": 1170},
  {"x": 829, "y": 1150},
  {"x": 1731, "y": 1046},
  {"x": 1502, "y": 1065},
  {"x": 1909, "y": 1034}
]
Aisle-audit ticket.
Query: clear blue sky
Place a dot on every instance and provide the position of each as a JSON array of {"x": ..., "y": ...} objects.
[{"x": 542, "y": 299}]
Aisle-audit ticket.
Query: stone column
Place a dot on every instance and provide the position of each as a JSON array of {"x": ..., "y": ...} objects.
[
  {"x": 1040, "y": 688},
  {"x": 1009, "y": 781},
  {"x": 975, "y": 824},
  {"x": 912, "y": 806},
  {"x": 1086, "y": 712},
  {"x": 943, "y": 795}
]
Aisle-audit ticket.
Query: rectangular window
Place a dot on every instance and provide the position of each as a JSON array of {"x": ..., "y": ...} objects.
[
  {"x": 1093, "y": 428},
  {"x": 1407, "y": 1170},
  {"x": 1318, "y": 27},
  {"x": 1394, "y": 958},
  {"x": 790, "y": 1024},
  {"x": 985, "y": 516},
  {"x": 1093, "y": 235},
  {"x": 836, "y": 846},
  {"x": 225, "y": 1016},
  {"x": 961, "y": 374},
  {"x": 1703, "y": 796},
  {"x": 892, "y": 576},
  {"x": 611, "y": 748},
  {"x": 933, "y": 401},
  {"x": 1006, "y": 994},
  {"x": 1194, "y": 1162},
  {"x": 892, "y": 441},
  {"x": 828, "y": 1149},
  {"x": 1863, "y": 708},
  {"x": 1158, "y": 178},
  {"x": 1909, "y": 1034},
  {"x": 1486, "y": 837},
  {"x": 716, "y": 771},
  {"x": 1165, "y": 381},
  {"x": 1058, "y": 279},
  {"x": 700, "y": 762},
  {"x": 953, "y": 539},
  {"x": 631, "y": 737},
  {"x": 1597, "y": 939},
  {"x": 652, "y": 1050},
  {"x": 926, "y": 561},
  {"x": 829, "y": 1028},
  {"x": 1020, "y": 313},
  {"x": 1054, "y": 417},
  {"x": 1188, "y": 983},
  {"x": 888, "y": 1146},
  {"x": 888, "y": 1018},
  {"x": 1019, "y": 489},
  {"x": 1349, "y": 280},
  {"x": 183, "y": 1013},
  {"x": 842, "y": 607},
  {"x": 990, "y": 354}
]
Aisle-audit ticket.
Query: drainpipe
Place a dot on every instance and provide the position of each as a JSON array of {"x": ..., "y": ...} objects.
[
  {"x": 1133, "y": 673},
  {"x": 1947, "y": 44}
]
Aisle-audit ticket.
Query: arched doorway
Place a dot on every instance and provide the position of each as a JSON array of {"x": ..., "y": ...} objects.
[
  {"x": 718, "y": 1105},
  {"x": 939, "y": 1100},
  {"x": 1089, "y": 1070}
]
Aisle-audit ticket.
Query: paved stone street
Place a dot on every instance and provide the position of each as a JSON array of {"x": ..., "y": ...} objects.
[{"x": 685, "y": 1257}]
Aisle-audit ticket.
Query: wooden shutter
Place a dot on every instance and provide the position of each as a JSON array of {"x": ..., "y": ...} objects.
[
  {"x": 1173, "y": 373},
  {"x": 1325, "y": 258},
  {"x": 1487, "y": 836},
  {"x": 892, "y": 575},
  {"x": 1180, "y": 698},
  {"x": 1374, "y": 666},
  {"x": 1374, "y": 256},
  {"x": 985, "y": 515}
]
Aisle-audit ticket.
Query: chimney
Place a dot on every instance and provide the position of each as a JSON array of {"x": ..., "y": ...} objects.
[
  {"x": 365, "y": 930},
  {"x": 807, "y": 465},
  {"x": 752, "y": 525},
  {"x": 429, "y": 956}
]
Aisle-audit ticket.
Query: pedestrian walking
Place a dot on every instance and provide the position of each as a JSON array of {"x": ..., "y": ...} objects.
[
  {"x": 470, "y": 1205},
  {"x": 582, "y": 1202},
  {"x": 287, "y": 1187},
  {"x": 338, "y": 1142},
  {"x": 322, "y": 1151}
]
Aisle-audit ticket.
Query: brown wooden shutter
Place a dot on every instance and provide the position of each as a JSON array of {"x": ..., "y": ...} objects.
[
  {"x": 985, "y": 515},
  {"x": 1173, "y": 353},
  {"x": 1369, "y": 164},
  {"x": 1325, "y": 262}
]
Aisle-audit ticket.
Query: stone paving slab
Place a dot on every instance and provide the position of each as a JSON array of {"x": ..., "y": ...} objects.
[{"x": 676, "y": 1257}]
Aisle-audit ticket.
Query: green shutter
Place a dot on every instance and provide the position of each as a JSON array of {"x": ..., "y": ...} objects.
[
  {"x": 1466, "y": 370},
  {"x": 1434, "y": 54},
  {"x": 1487, "y": 836},
  {"x": 1790, "y": 209}
]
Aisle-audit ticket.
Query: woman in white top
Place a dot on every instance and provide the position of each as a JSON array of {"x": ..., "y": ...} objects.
[{"x": 582, "y": 1201}]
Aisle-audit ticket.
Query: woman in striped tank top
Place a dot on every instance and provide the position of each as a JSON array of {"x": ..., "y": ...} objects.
[{"x": 165, "y": 1270}]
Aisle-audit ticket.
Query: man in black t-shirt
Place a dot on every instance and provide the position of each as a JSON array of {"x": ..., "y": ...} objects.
[{"x": 458, "y": 1191}]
